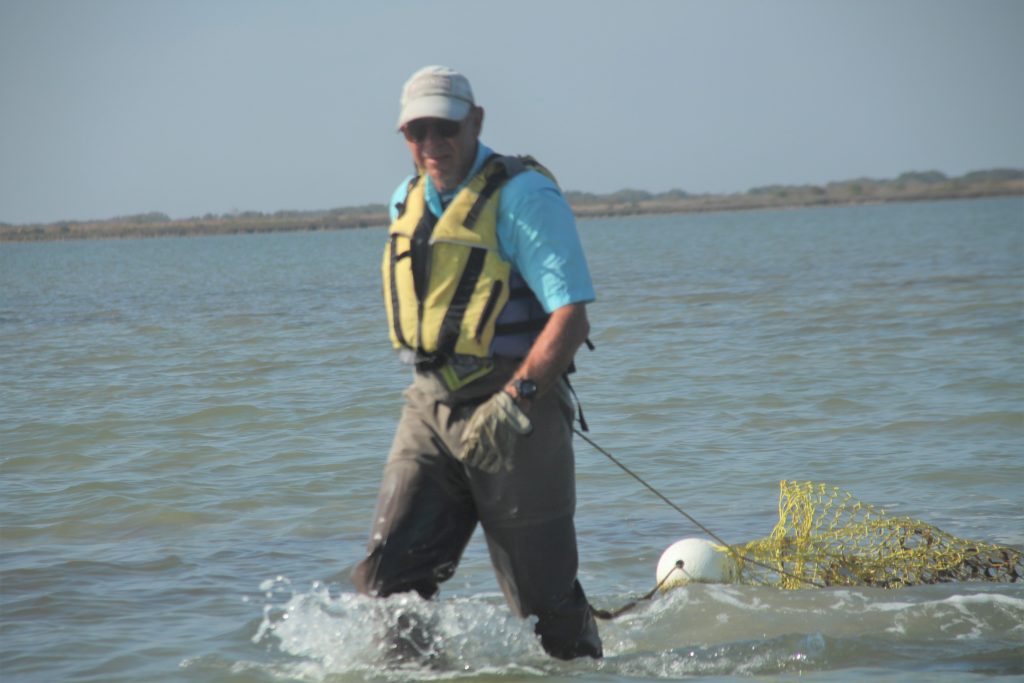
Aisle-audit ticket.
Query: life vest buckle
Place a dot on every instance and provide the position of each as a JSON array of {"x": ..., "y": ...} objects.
[{"x": 426, "y": 362}]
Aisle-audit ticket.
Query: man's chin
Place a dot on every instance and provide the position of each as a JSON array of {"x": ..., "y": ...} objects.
[{"x": 443, "y": 183}]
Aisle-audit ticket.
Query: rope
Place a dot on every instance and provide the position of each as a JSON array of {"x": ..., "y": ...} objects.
[
  {"x": 687, "y": 515},
  {"x": 653, "y": 490},
  {"x": 611, "y": 614}
]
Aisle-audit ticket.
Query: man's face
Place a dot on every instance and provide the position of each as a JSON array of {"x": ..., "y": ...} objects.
[{"x": 445, "y": 149}]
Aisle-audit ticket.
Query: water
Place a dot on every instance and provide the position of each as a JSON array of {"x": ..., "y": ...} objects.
[{"x": 192, "y": 432}]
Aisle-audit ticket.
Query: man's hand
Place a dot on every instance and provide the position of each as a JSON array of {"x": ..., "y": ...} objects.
[{"x": 489, "y": 439}]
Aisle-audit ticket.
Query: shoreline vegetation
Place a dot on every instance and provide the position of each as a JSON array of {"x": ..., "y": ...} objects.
[{"x": 911, "y": 186}]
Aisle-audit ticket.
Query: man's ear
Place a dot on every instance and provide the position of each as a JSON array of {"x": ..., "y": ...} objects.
[{"x": 478, "y": 119}]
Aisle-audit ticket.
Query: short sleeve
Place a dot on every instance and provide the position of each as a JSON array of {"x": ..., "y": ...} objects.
[{"x": 537, "y": 234}]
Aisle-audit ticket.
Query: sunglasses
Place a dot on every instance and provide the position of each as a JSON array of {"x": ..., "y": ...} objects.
[{"x": 417, "y": 131}]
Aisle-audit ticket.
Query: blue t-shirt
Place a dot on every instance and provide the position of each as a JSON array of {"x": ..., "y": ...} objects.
[{"x": 536, "y": 233}]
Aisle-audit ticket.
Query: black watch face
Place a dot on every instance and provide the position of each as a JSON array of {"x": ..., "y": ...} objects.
[{"x": 526, "y": 388}]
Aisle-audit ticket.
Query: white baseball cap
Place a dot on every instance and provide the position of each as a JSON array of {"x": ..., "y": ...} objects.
[{"x": 436, "y": 92}]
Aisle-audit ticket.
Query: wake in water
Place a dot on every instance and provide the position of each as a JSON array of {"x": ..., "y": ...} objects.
[
  {"x": 401, "y": 637},
  {"x": 717, "y": 630}
]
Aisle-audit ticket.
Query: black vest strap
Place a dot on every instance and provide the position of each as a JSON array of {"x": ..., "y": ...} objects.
[
  {"x": 420, "y": 252},
  {"x": 449, "y": 334},
  {"x": 509, "y": 167},
  {"x": 492, "y": 303},
  {"x": 400, "y": 206},
  {"x": 396, "y": 311}
]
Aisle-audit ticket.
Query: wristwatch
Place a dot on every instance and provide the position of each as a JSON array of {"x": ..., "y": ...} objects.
[{"x": 526, "y": 389}]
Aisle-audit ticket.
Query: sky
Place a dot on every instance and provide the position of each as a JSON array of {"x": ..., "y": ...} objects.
[{"x": 187, "y": 107}]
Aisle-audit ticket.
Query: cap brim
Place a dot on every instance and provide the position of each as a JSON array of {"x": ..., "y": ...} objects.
[{"x": 434, "y": 107}]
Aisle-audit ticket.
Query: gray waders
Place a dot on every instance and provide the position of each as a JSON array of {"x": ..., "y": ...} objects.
[{"x": 430, "y": 503}]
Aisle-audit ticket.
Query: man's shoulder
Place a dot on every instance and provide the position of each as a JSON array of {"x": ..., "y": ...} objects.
[
  {"x": 403, "y": 187},
  {"x": 528, "y": 184},
  {"x": 400, "y": 193},
  {"x": 531, "y": 202}
]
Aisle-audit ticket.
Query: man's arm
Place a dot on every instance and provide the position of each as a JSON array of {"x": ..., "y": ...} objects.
[
  {"x": 537, "y": 234},
  {"x": 549, "y": 357}
]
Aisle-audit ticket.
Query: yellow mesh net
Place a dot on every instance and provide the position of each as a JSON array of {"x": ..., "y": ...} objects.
[{"x": 826, "y": 537}]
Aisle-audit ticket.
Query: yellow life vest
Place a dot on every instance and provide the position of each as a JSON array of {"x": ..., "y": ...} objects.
[{"x": 444, "y": 280}]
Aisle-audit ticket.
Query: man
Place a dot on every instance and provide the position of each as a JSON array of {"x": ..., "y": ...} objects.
[{"x": 485, "y": 288}]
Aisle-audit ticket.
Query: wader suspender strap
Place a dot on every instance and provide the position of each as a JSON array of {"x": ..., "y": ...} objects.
[{"x": 579, "y": 406}]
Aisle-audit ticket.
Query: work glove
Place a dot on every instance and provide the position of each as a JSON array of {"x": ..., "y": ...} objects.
[{"x": 489, "y": 438}]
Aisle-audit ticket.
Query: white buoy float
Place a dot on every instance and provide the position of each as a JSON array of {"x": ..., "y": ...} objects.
[{"x": 702, "y": 562}]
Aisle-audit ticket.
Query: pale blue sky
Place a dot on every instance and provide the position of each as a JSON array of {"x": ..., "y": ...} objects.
[{"x": 116, "y": 107}]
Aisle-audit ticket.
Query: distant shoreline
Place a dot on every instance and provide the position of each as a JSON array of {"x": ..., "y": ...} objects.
[
  {"x": 718, "y": 203},
  {"x": 927, "y": 186}
]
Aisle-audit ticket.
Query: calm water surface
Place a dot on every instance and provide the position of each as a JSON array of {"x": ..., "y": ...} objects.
[{"x": 192, "y": 431}]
